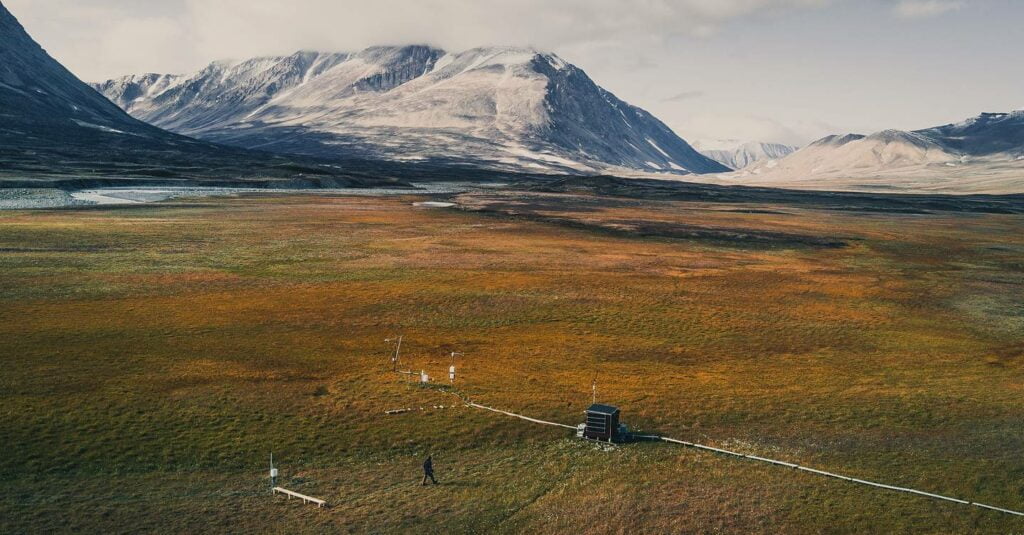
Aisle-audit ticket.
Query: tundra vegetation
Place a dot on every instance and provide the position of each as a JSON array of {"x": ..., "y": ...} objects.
[{"x": 153, "y": 357}]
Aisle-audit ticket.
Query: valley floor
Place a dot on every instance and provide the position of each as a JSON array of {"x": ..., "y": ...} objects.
[{"x": 155, "y": 354}]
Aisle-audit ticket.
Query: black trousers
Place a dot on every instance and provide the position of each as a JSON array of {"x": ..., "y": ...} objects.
[{"x": 430, "y": 475}]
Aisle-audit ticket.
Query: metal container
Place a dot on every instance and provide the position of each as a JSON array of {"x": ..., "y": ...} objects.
[{"x": 602, "y": 423}]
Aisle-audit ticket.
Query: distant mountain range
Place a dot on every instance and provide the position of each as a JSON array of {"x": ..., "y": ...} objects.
[
  {"x": 984, "y": 154},
  {"x": 505, "y": 108},
  {"x": 737, "y": 154},
  {"x": 390, "y": 114}
]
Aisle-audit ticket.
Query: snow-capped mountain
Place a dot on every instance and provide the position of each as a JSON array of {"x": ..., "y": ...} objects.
[
  {"x": 984, "y": 154},
  {"x": 737, "y": 154},
  {"x": 510, "y": 108},
  {"x": 991, "y": 135}
]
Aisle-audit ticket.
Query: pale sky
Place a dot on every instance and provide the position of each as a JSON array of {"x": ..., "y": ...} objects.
[{"x": 768, "y": 70}]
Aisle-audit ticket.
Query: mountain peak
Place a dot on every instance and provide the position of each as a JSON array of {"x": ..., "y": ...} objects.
[
  {"x": 388, "y": 55},
  {"x": 837, "y": 140},
  {"x": 505, "y": 107},
  {"x": 736, "y": 154},
  {"x": 984, "y": 153}
]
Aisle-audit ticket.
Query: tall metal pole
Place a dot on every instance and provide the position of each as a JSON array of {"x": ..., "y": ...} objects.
[
  {"x": 593, "y": 390},
  {"x": 273, "y": 472},
  {"x": 398, "y": 351}
]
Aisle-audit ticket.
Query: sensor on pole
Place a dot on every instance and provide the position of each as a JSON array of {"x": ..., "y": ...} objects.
[{"x": 451, "y": 369}]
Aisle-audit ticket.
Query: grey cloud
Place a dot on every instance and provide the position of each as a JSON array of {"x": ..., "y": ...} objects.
[{"x": 142, "y": 35}]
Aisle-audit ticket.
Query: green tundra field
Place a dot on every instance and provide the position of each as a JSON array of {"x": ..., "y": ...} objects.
[{"x": 155, "y": 355}]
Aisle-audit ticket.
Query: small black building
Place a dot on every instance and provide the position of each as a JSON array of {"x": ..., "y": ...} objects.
[{"x": 602, "y": 423}]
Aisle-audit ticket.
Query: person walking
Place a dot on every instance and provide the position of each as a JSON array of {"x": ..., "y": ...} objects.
[{"x": 428, "y": 470}]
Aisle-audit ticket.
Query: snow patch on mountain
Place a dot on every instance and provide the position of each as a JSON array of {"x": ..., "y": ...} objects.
[
  {"x": 738, "y": 155},
  {"x": 982, "y": 154},
  {"x": 504, "y": 107}
]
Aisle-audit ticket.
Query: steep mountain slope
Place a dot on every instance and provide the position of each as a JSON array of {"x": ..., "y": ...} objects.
[
  {"x": 40, "y": 95},
  {"x": 984, "y": 154},
  {"x": 237, "y": 90},
  {"x": 737, "y": 155},
  {"x": 508, "y": 108},
  {"x": 53, "y": 125}
]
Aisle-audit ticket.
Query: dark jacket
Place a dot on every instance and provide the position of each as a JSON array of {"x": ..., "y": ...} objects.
[{"x": 428, "y": 466}]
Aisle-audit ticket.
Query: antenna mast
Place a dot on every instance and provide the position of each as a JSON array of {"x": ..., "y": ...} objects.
[
  {"x": 397, "y": 355},
  {"x": 273, "y": 472}
]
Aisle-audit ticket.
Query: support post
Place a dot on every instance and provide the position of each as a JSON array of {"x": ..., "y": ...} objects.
[{"x": 273, "y": 472}]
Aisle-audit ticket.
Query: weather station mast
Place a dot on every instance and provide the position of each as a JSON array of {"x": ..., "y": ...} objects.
[{"x": 398, "y": 349}]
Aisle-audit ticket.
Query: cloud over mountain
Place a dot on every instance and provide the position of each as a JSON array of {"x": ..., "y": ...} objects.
[{"x": 193, "y": 30}]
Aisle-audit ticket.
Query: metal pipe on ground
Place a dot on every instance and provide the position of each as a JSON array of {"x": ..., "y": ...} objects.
[{"x": 772, "y": 461}]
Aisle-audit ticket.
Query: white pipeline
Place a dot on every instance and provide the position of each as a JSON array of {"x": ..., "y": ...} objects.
[
  {"x": 772, "y": 461},
  {"x": 520, "y": 416}
]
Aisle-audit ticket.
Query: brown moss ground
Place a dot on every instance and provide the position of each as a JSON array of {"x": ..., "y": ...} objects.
[{"x": 154, "y": 356}]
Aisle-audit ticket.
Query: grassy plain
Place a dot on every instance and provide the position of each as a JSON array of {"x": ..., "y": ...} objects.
[{"x": 153, "y": 357}]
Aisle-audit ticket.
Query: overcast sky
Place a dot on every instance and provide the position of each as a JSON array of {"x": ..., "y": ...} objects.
[{"x": 771, "y": 70}]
